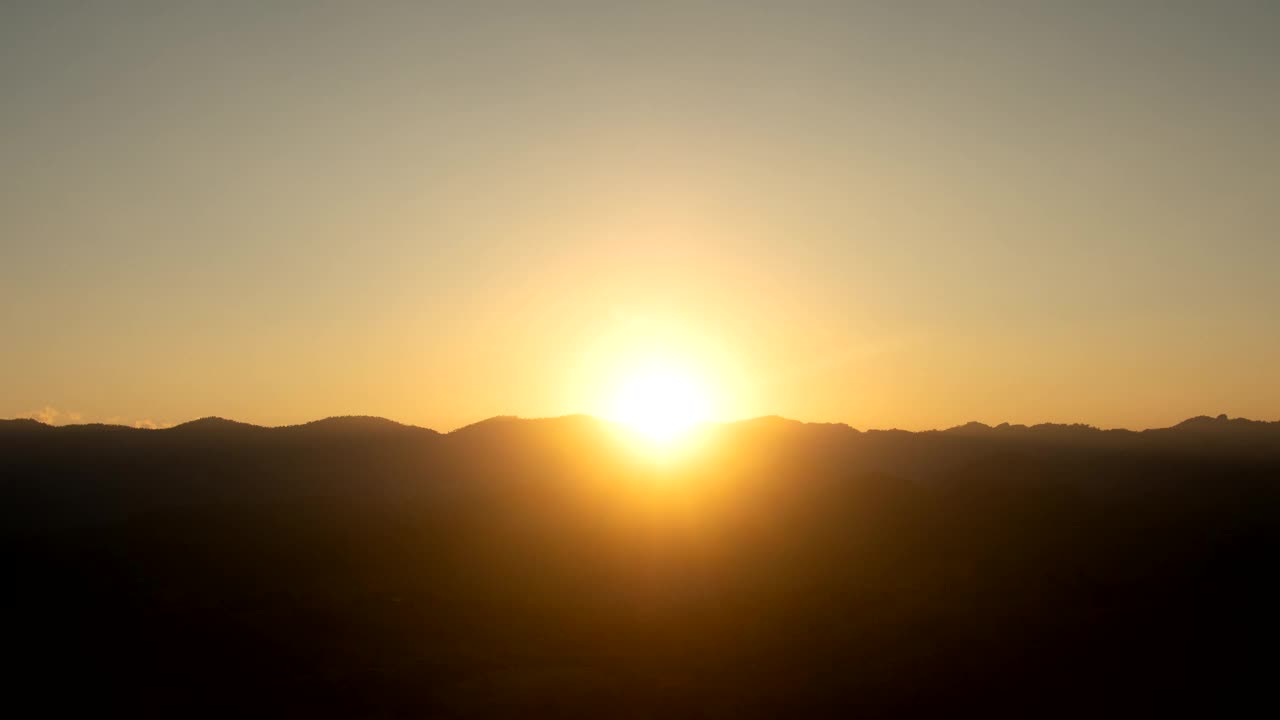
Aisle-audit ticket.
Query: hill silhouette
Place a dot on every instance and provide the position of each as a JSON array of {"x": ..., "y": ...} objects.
[{"x": 553, "y": 567}]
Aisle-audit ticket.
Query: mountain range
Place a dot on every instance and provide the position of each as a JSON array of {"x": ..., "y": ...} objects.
[{"x": 560, "y": 568}]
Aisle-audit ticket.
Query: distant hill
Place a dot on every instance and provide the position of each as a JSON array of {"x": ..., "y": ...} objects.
[{"x": 373, "y": 425}]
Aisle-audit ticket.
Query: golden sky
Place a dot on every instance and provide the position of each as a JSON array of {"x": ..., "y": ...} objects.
[{"x": 883, "y": 215}]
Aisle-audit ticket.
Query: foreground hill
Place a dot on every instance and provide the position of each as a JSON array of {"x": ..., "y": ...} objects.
[{"x": 556, "y": 568}]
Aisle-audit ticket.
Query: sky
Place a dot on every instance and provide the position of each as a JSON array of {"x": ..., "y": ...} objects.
[{"x": 899, "y": 214}]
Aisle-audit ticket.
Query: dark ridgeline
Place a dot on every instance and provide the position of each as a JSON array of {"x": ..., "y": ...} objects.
[{"x": 542, "y": 568}]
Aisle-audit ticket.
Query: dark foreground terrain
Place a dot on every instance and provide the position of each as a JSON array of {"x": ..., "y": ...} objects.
[{"x": 354, "y": 567}]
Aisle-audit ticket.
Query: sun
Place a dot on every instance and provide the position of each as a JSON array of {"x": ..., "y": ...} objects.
[{"x": 660, "y": 402}]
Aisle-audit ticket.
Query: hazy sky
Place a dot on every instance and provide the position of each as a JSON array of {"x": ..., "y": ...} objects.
[{"x": 907, "y": 214}]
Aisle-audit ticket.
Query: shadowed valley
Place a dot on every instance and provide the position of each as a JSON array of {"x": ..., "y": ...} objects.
[{"x": 355, "y": 566}]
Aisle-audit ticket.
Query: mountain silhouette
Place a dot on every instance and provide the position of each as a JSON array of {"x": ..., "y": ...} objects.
[{"x": 556, "y": 567}]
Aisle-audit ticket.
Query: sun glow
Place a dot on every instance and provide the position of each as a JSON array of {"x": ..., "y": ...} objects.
[{"x": 661, "y": 403}]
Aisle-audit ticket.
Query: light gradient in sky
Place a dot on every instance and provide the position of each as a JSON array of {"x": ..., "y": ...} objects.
[{"x": 907, "y": 214}]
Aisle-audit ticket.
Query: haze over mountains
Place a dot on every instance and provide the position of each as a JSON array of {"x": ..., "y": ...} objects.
[
  {"x": 354, "y": 425},
  {"x": 559, "y": 568},
  {"x": 94, "y": 457}
]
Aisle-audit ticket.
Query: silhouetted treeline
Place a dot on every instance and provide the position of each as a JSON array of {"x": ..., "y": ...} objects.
[{"x": 554, "y": 568}]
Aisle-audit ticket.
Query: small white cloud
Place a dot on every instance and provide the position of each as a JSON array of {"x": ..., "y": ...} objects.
[{"x": 51, "y": 415}]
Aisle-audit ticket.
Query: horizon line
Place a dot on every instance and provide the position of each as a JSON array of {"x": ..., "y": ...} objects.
[{"x": 1221, "y": 417}]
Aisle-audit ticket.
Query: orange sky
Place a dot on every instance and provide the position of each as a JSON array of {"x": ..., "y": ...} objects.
[{"x": 863, "y": 213}]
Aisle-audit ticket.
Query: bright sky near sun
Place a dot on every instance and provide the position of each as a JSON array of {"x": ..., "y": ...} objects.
[{"x": 889, "y": 214}]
